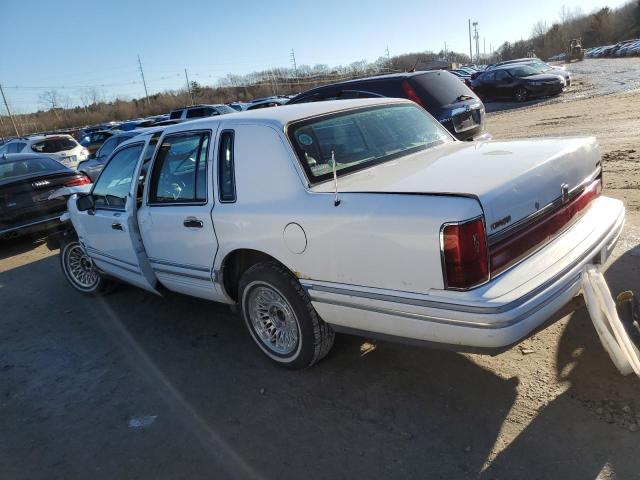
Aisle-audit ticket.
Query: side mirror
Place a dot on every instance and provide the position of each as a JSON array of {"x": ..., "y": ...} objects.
[{"x": 84, "y": 203}]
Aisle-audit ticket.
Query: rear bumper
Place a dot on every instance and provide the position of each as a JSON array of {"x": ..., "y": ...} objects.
[
  {"x": 492, "y": 316},
  {"x": 51, "y": 222}
]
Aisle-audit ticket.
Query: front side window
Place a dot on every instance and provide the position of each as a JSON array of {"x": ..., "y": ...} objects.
[
  {"x": 114, "y": 183},
  {"x": 226, "y": 175},
  {"x": 362, "y": 138},
  {"x": 180, "y": 170},
  {"x": 107, "y": 147}
]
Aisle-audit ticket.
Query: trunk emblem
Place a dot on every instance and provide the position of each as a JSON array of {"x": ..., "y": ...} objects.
[
  {"x": 502, "y": 222},
  {"x": 564, "y": 189},
  {"x": 41, "y": 183}
]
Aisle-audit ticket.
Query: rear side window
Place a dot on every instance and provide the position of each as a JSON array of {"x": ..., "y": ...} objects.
[
  {"x": 226, "y": 174},
  {"x": 175, "y": 115},
  {"x": 180, "y": 171},
  {"x": 114, "y": 183},
  {"x": 54, "y": 145},
  {"x": 439, "y": 88}
]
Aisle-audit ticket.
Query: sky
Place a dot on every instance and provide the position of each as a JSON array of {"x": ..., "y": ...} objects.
[{"x": 68, "y": 45}]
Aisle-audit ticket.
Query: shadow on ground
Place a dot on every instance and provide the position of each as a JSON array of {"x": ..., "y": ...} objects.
[{"x": 75, "y": 371}]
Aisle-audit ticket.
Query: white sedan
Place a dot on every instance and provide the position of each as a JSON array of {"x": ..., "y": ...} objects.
[
  {"x": 360, "y": 216},
  {"x": 63, "y": 148}
]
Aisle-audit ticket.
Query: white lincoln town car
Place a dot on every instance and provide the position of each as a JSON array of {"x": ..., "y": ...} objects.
[{"x": 359, "y": 216}]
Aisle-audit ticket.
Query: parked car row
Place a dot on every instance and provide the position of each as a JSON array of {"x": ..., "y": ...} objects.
[{"x": 627, "y": 48}]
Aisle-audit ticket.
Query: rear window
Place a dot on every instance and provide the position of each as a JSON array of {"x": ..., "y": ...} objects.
[
  {"x": 176, "y": 114},
  {"x": 223, "y": 109},
  {"x": 362, "y": 138},
  {"x": 54, "y": 145},
  {"x": 439, "y": 88},
  {"x": 30, "y": 166}
]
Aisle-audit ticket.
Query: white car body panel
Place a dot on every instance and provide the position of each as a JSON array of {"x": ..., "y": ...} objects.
[{"x": 373, "y": 262}]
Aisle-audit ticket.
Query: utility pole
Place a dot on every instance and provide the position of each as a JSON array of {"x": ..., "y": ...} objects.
[
  {"x": 388, "y": 58},
  {"x": 475, "y": 36},
  {"x": 146, "y": 93},
  {"x": 9, "y": 111},
  {"x": 484, "y": 47},
  {"x": 293, "y": 60},
  {"x": 445, "y": 51},
  {"x": 470, "y": 49},
  {"x": 188, "y": 85}
]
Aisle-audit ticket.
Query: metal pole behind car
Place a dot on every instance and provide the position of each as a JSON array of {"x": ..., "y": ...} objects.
[{"x": 9, "y": 111}]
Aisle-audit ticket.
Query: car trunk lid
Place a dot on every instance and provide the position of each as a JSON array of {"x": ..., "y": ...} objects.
[{"x": 512, "y": 180}]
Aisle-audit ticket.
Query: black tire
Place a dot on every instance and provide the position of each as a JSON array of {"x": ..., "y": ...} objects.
[
  {"x": 521, "y": 94},
  {"x": 69, "y": 248},
  {"x": 315, "y": 337}
]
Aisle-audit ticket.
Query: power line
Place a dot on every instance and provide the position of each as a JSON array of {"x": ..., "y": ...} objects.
[{"x": 146, "y": 94}]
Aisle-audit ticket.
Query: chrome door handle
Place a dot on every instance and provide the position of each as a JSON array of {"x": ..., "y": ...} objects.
[
  {"x": 117, "y": 226},
  {"x": 192, "y": 222}
]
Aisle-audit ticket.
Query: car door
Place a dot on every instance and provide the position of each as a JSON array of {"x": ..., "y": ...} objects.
[
  {"x": 109, "y": 231},
  {"x": 483, "y": 84},
  {"x": 504, "y": 84},
  {"x": 175, "y": 219}
]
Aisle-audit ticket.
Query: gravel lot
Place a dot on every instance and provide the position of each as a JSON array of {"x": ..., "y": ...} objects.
[{"x": 137, "y": 386}]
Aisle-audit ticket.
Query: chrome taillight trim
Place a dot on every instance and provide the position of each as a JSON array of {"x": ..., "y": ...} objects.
[{"x": 442, "y": 259}]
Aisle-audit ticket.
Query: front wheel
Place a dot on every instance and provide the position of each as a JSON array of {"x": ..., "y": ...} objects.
[
  {"x": 80, "y": 271},
  {"x": 521, "y": 94},
  {"x": 280, "y": 318}
]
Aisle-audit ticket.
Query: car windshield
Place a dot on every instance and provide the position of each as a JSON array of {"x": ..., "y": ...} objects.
[
  {"x": 523, "y": 71},
  {"x": 362, "y": 138},
  {"x": 29, "y": 166}
]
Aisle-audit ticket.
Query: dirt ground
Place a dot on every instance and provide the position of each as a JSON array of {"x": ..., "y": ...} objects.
[{"x": 137, "y": 386}]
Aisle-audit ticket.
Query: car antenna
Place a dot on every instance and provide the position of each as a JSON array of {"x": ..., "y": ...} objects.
[{"x": 336, "y": 201}]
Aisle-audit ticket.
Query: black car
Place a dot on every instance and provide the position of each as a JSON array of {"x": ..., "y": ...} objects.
[
  {"x": 94, "y": 165},
  {"x": 517, "y": 82},
  {"x": 439, "y": 92},
  {"x": 26, "y": 182}
]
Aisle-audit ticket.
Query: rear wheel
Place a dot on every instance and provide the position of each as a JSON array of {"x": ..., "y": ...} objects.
[
  {"x": 521, "y": 94},
  {"x": 80, "y": 271},
  {"x": 280, "y": 318}
]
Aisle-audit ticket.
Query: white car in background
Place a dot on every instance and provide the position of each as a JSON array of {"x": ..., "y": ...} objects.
[
  {"x": 360, "y": 216},
  {"x": 63, "y": 148}
]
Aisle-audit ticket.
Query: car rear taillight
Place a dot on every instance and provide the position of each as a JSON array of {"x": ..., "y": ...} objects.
[
  {"x": 464, "y": 254},
  {"x": 517, "y": 246},
  {"x": 80, "y": 179},
  {"x": 411, "y": 93}
]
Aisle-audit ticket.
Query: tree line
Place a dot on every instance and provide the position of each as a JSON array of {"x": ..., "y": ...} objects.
[
  {"x": 601, "y": 27},
  {"x": 605, "y": 26}
]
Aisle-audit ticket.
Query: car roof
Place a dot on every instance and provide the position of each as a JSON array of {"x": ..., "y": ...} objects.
[
  {"x": 17, "y": 157},
  {"x": 281, "y": 116}
]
